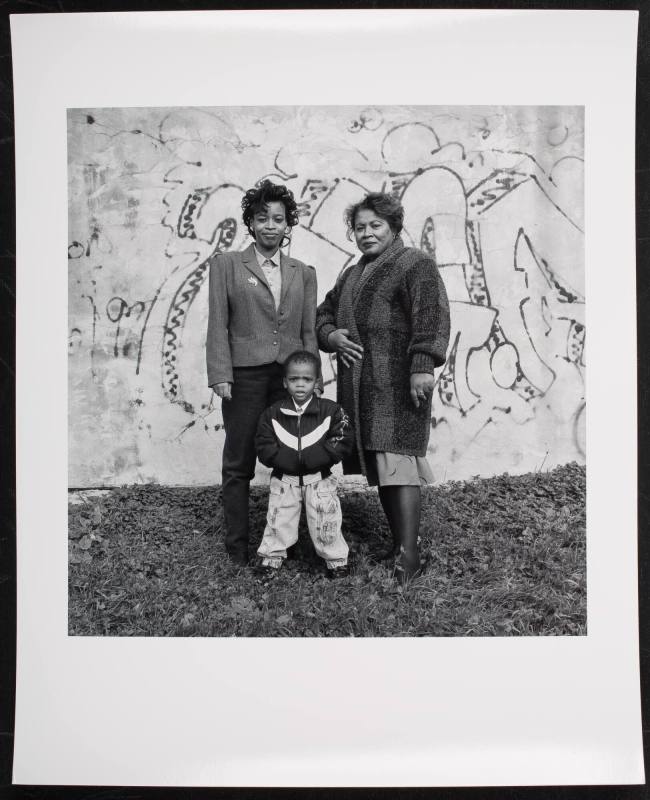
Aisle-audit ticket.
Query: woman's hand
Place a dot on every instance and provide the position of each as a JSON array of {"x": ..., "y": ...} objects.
[
  {"x": 421, "y": 387},
  {"x": 348, "y": 350},
  {"x": 223, "y": 391}
]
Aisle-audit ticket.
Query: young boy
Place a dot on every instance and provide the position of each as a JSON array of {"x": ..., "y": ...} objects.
[{"x": 301, "y": 437}]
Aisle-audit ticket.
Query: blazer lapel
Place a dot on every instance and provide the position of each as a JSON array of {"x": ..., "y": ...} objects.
[
  {"x": 249, "y": 259},
  {"x": 288, "y": 271}
]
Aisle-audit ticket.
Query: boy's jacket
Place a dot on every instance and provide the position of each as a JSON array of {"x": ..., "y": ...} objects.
[{"x": 299, "y": 444}]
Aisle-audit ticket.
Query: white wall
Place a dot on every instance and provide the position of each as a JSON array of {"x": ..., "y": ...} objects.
[{"x": 495, "y": 193}]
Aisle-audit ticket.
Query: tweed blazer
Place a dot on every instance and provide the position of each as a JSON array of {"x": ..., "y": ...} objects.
[
  {"x": 397, "y": 308},
  {"x": 244, "y": 327}
]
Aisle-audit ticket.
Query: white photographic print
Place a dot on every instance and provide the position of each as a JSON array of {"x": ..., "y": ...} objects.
[{"x": 430, "y": 207}]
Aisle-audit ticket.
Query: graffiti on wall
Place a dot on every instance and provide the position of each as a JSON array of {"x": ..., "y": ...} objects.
[{"x": 494, "y": 194}]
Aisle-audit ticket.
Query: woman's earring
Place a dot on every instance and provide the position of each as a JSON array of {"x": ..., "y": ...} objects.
[{"x": 286, "y": 236}]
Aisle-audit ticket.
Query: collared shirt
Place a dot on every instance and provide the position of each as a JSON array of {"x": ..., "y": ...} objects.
[
  {"x": 301, "y": 409},
  {"x": 272, "y": 273}
]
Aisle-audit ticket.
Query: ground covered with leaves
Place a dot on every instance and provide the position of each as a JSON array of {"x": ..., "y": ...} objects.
[{"x": 505, "y": 556}]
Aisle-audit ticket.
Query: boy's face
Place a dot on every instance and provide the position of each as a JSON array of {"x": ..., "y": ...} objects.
[{"x": 300, "y": 381}]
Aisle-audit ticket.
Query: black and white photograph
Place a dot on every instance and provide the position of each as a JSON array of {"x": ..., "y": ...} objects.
[
  {"x": 314, "y": 486},
  {"x": 377, "y": 313}
]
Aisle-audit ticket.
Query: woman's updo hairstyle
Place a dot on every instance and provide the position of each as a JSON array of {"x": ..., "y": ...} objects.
[
  {"x": 256, "y": 199},
  {"x": 386, "y": 206}
]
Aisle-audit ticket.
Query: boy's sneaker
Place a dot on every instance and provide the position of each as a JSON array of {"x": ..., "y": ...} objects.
[
  {"x": 338, "y": 572},
  {"x": 265, "y": 572}
]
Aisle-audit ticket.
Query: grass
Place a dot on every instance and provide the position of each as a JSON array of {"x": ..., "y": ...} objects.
[{"x": 506, "y": 557}]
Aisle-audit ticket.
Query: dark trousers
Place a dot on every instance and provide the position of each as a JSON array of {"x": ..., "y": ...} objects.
[{"x": 253, "y": 390}]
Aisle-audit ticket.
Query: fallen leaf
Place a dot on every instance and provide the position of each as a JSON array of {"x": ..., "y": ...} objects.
[{"x": 242, "y": 605}]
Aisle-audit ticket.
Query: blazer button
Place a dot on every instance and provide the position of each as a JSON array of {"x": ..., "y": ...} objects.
[{"x": 274, "y": 331}]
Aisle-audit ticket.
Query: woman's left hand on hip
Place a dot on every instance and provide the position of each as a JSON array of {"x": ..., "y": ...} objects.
[{"x": 421, "y": 387}]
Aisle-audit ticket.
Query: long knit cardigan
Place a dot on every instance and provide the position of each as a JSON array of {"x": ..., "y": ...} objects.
[{"x": 396, "y": 307}]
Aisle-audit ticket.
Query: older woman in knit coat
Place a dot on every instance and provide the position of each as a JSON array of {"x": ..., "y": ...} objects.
[{"x": 387, "y": 318}]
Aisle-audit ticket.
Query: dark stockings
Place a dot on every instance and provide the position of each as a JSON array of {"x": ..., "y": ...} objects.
[
  {"x": 402, "y": 506},
  {"x": 393, "y": 549}
]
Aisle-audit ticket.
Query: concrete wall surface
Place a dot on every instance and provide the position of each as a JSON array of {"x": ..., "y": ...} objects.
[{"x": 495, "y": 193}]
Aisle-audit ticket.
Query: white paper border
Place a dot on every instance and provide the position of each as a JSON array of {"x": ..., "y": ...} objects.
[{"x": 209, "y": 712}]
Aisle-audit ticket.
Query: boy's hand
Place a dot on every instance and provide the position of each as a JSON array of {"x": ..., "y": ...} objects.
[
  {"x": 336, "y": 432},
  {"x": 223, "y": 390},
  {"x": 421, "y": 387},
  {"x": 348, "y": 350}
]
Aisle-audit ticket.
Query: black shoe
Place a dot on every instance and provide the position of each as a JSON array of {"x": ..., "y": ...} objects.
[
  {"x": 387, "y": 553},
  {"x": 238, "y": 559},
  {"x": 265, "y": 572},
  {"x": 338, "y": 572},
  {"x": 403, "y": 573}
]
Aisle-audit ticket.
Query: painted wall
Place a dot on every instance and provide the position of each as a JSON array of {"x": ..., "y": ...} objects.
[{"x": 496, "y": 194}]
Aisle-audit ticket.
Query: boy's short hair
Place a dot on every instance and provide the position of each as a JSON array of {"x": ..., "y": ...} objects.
[{"x": 302, "y": 357}]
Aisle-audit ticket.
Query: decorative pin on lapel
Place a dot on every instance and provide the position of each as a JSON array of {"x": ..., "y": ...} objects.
[{"x": 252, "y": 281}]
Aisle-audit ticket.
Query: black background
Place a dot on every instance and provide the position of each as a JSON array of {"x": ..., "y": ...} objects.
[{"x": 8, "y": 411}]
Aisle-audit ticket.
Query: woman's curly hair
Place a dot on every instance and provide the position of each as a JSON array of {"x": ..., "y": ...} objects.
[
  {"x": 386, "y": 206},
  {"x": 266, "y": 192}
]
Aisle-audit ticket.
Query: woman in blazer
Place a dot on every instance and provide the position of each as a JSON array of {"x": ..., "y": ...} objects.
[{"x": 262, "y": 307}]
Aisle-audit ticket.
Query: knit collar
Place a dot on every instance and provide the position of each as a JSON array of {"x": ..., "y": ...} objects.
[{"x": 390, "y": 252}]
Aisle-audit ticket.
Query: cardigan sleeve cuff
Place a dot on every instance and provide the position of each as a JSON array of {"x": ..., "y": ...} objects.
[
  {"x": 423, "y": 362},
  {"x": 323, "y": 334}
]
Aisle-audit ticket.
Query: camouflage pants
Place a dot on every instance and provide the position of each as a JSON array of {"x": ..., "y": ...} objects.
[{"x": 323, "y": 512}]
